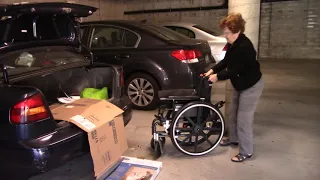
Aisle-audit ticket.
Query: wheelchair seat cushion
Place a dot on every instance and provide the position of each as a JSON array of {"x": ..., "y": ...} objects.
[{"x": 177, "y": 93}]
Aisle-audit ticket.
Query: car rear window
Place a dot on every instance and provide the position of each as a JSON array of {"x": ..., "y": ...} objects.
[
  {"x": 164, "y": 33},
  {"x": 206, "y": 30},
  {"x": 33, "y": 27}
]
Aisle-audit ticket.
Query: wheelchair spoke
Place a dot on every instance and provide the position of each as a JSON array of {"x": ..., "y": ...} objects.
[
  {"x": 207, "y": 139},
  {"x": 196, "y": 143},
  {"x": 190, "y": 121},
  {"x": 188, "y": 137},
  {"x": 190, "y": 140},
  {"x": 209, "y": 118},
  {"x": 199, "y": 113}
]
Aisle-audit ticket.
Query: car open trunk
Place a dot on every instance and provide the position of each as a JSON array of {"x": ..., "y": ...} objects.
[
  {"x": 47, "y": 132},
  {"x": 71, "y": 82},
  {"x": 52, "y": 84}
]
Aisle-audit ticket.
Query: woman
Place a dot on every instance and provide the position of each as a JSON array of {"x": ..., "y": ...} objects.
[{"x": 243, "y": 70}]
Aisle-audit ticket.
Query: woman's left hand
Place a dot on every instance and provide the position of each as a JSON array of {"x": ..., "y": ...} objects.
[{"x": 213, "y": 78}]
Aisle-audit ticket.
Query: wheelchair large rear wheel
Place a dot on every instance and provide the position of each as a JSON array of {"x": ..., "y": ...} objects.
[{"x": 197, "y": 128}]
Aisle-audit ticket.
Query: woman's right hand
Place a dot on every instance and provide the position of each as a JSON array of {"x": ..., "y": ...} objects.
[{"x": 208, "y": 73}]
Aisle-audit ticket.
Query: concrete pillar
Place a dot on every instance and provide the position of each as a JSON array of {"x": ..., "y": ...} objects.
[{"x": 250, "y": 11}]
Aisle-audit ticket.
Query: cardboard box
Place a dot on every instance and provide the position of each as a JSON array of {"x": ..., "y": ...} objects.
[{"x": 103, "y": 122}]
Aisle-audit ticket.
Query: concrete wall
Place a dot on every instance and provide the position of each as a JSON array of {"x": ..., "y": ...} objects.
[
  {"x": 208, "y": 18},
  {"x": 288, "y": 29}
]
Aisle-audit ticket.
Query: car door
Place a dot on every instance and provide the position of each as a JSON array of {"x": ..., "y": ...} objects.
[{"x": 112, "y": 45}]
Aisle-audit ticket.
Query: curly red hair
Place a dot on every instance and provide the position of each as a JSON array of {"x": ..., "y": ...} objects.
[{"x": 234, "y": 22}]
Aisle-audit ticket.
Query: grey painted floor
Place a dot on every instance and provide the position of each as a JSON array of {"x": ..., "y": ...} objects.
[{"x": 286, "y": 133}]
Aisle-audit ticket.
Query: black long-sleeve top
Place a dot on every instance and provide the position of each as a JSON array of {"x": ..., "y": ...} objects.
[{"x": 239, "y": 64}]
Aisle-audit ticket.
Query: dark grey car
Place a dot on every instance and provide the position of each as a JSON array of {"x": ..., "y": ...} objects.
[{"x": 153, "y": 57}]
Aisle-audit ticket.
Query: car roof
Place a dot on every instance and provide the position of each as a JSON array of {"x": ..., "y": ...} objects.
[
  {"x": 178, "y": 23},
  {"x": 124, "y": 23},
  {"x": 118, "y": 22},
  {"x": 77, "y": 10}
]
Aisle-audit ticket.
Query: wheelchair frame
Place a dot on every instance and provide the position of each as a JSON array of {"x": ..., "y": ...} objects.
[{"x": 171, "y": 111}]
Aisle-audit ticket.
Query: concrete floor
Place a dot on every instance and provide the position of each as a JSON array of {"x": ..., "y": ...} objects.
[{"x": 286, "y": 134}]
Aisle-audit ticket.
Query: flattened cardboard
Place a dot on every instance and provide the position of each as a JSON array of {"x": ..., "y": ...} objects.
[
  {"x": 53, "y": 106},
  {"x": 109, "y": 145},
  {"x": 104, "y": 124},
  {"x": 88, "y": 114}
]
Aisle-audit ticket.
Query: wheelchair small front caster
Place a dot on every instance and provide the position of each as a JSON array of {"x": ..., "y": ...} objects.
[
  {"x": 157, "y": 150},
  {"x": 161, "y": 139},
  {"x": 157, "y": 147}
]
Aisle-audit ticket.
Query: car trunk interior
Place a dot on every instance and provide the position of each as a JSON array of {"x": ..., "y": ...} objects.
[{"x": 71, "y": 82}]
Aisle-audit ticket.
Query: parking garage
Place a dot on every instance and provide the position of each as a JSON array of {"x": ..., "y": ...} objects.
[{"x": 286, "y": 37}]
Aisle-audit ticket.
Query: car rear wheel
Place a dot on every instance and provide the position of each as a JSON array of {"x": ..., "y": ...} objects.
[{"x": 142, "y": 90}]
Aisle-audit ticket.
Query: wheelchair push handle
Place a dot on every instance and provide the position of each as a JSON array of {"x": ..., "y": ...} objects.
[{"x": 204, "y": 77}]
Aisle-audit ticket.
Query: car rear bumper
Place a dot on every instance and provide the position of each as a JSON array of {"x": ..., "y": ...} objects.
[
  {"x": 186, "y": 77},
  {"x": 44, "y": 153},
  {"x": 38, "y": 155},
  {"x": 127, "y": 108}
]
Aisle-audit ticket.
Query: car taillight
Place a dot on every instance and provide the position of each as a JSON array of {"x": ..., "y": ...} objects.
[
  {"x": 187, "y": 56},
  {"x": 29, "y": 110}
]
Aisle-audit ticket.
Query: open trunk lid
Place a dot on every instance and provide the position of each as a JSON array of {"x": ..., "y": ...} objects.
[
  {"x": 28, "y": 85},
  {"x": 41, "y": 24},
  {"x": 75, "y": 10}
]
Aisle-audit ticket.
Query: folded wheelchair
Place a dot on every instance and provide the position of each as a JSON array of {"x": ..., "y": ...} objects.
[{"x": 194, "y": 125}]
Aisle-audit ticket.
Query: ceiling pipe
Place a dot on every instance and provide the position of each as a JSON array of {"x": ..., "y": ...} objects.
[{"x": 223, "y": 6}]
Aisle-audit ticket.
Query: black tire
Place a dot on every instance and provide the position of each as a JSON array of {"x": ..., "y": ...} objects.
[
  {"x": 176, "y": 118},
  {"x": 157, "y": 151},
  {"x": 142, "y": 77},
  {"x": 161, "y": 139}
]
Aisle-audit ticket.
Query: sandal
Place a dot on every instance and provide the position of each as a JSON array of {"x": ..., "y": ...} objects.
[
  {"x": 241, "y": 157},
  {"x": 227, "y": 142}
]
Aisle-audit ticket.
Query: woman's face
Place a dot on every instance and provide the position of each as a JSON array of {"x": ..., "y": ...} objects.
[{"x": 231, "y": 37}]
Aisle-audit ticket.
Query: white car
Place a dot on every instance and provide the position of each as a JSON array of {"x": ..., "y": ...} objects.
[{"x": 192, "y": 30}]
